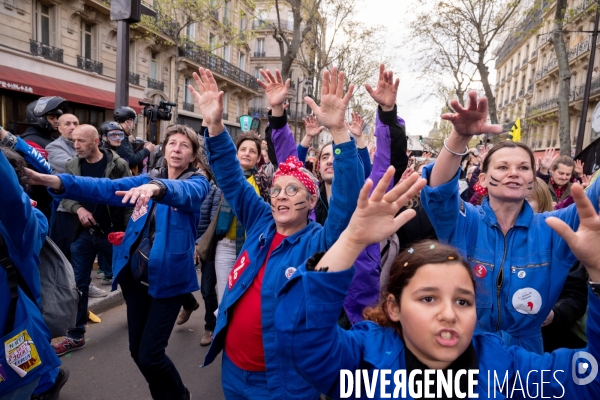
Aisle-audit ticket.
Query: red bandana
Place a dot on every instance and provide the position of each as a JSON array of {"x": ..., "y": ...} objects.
[
  {"x": 291, "y": 167},
  {"x": 482, "y": 191}
]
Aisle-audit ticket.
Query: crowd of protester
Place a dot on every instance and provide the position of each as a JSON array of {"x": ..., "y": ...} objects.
[{"x": 472, "y": 258}]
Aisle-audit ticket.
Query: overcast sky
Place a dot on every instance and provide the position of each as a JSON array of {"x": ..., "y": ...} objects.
[{"x": 395, "y": 16}]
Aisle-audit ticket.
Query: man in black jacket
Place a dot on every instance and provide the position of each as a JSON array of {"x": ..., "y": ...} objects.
[
  {"x": 127, "y": 118},
  {"x": 42, "y": 116}
]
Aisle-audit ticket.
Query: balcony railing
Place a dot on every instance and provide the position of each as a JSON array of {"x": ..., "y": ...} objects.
[
  {"x": 43, "y": 50},
  {"x": 134, "y": 79},
  {"x": 273, "y": 23},
  {"x": 226, "y": 116},
  {"x": 524, "y": 62},
  {"x": 516, "y": 68},
  {"x": 154, "y": 84},
  {"x": 218, "y": 65},
  {"x": 534, "y": 54},
  {"x": 188, "y": 106},
  {"x": 542, "y": 106},
  {"x": 521, "y": 92},
  {"x": 259, "y": 54},
  {"x": 513, "y": 97},
  {"x": 89, "y": 65},
  {"x": 530, "y": 88}
]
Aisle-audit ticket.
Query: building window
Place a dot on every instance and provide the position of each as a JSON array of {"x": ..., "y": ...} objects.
[
  {"x": 239, "y": 106},
  {"x": 190, "y": 31},
  {"x": 226, "y": 7},
  {"x": 242, "y": 61},
  {"x": 154, "y": 65},
  {"x": 187, "y": 95},
  {"x": 44, "y": 23},
  {"x": 243, "y": 22},
  {"x": 257, "y": 72},
  {"x": 227, "y": 53},
  {"x": 132, "y": 57},
  {"x": 260, "y": 46},
  {"x": 87, "y": 41},
  {"x": 212, "y": 42}
]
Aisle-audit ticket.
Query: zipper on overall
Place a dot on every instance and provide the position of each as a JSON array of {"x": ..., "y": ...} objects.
[{"x": 500, "y": 279}]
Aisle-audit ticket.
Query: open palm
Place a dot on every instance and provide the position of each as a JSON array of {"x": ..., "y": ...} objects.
[
  {"x": 276, "y": 90},
  {"x": 208, "y": 97},
  {"x": 387, "y": 89},
  {"x": 471, "y": 120},
  {"x": 333, "y": 102}
]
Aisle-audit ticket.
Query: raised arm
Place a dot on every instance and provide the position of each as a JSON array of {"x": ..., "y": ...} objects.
[
  {"x": 390, "y": 130},
  {"x": 31, "y": 155},
  {"x": 356, "y": 128},
  {"x": 466, "y": 122},
  {"x": 247, "y": 206}
]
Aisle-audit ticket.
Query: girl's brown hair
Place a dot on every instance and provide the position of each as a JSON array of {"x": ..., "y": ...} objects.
[
  {"x": 187, "y": 131},
  {"x": 541, "y": 195},
  {"x": 404, "y": 267},
  {"x": 507, "y": 144}
]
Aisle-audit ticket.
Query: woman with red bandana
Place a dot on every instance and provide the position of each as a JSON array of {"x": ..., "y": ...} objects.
[{"x": 279, "y": 237}]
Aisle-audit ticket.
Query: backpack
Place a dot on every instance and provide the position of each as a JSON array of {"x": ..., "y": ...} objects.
[{"x": 60, "y": 297}]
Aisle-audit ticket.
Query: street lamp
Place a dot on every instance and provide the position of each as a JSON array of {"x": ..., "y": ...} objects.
[{"x": 306, "y": 89}]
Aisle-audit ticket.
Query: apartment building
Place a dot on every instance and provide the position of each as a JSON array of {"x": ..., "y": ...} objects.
[
  {"x": 527, "y": 74},
  {"x": 68, "y": 48},
  {"x": 265, "y": 54}
]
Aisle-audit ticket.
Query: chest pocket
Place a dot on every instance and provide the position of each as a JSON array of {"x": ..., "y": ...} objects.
[
  {"x": 482, "y": 265},
  {"x": 529, "y": 284}
]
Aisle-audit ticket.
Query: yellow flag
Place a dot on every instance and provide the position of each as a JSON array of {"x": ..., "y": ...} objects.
[{"x": 515, "y": 131}]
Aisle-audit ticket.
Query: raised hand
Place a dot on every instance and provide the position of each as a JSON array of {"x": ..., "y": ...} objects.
[
  {"x": 381, "y": 209},
  {"x": 276, "y": 90},
  {"x": 386, "y": 91},
  {"x": 406, "y": 174},
  {"x": 585, "y": 180},
  {"x": 311, "y": 124},
  {"x": 333, "y": 104},
  {"x": 427, "y": 154},
  {"x": 578, "y": 167},
  {"x": 482, "y": 155},
  {"x": 210, "y": 100},
  {"x": 588, "y": 232},
  {"x": 357, "y": 124},
  {"x": 471, "y": 120},
  {"x": 550, "y": 155}
]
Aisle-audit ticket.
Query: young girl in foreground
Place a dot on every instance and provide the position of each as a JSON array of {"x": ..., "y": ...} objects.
[{"x": 426, "y": 320}]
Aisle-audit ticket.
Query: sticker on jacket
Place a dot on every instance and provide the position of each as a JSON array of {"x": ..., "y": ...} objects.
[
  {"x": 240, "y": 265},
  {"x": 3, "y": 375},
  {"x": 21, "y": 353},
  {"x": 139, "y": 212},
  {"x": 289, "y": 272},
  {"x": 527, "y": 301}
]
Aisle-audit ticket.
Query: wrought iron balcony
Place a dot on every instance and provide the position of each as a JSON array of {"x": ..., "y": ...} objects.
[
  {"x": 188, "y": 106},
  {"x": 134, "y": 78},
  {"x": 43, "y": 50},
  {"x": 89, "y": 65},
  {"x": 521, "y": 93},
  {"x": 226, "y": 116},
  {"x": 516, "y": 67},
  {"x": 524, "y": 62},
  {"x": 513, "y": 97},
  {"x": 154, "y": 84},
  {"x": 534, "y": 54},
  {"x": 530, "y": 88},
  {"x": 259, "y": 54},
  {"x": 218, "y": 65}
]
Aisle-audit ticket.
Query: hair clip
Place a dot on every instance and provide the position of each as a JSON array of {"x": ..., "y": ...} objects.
[
  {"x": 406, "y": 263},
  {"x": 411, "y": 250},
  {"x": 450, "y": 258},
  {"x": 432, "y": 246}
]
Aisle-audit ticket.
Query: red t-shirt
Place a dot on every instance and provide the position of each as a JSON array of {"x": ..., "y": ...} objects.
[{"x": 243, "y": 343}]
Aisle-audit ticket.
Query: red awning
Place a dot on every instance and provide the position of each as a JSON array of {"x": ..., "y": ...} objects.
[{"x": 28, "y": 82}]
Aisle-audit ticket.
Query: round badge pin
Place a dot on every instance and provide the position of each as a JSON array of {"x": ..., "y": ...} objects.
[
  {"x": 522, "y": 274},
  {"x": 480, "y": 271}
]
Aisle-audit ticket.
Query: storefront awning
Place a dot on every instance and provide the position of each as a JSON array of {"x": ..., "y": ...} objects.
[{"x": 28, "y": 82}]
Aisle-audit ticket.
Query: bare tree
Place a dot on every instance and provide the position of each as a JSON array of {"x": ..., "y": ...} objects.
[{"x": 481, "y": 21}]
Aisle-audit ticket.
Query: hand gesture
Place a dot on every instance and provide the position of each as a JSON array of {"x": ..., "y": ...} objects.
[
  {"x": 406, "y": 174},
  {"x": 312, "y": 127},
  {"x": 357, "y": 124},
  {"x": 427, "y": 154},
  {"x": 588, "y": 232},
  {"x": 140, "y": 196},
  {"x": 578, "y": 167},
  {"x": 210, "y": 101},
  {"x": 275, "y": 90},
  {"x": 387, "y": 89},
  {"x": 473, "y": 119},
  {"x": 550, "y": 155},
  {"x": 585, "y": 180},
  {"x": 381, "y": 208},
  {"x": 333, "y": 104}
]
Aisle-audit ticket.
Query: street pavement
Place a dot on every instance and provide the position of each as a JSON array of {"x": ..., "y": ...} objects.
[{"x": 104, "y": 370}]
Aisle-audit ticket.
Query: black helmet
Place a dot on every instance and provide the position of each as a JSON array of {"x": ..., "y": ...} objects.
[
  {"x": 109, "y": 126},
  {"x": 122, "y": 114},
  {"x": 36, "y": 112}
]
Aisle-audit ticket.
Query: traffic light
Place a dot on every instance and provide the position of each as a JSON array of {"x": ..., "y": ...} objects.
[{"x": 420, "y": 139}]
